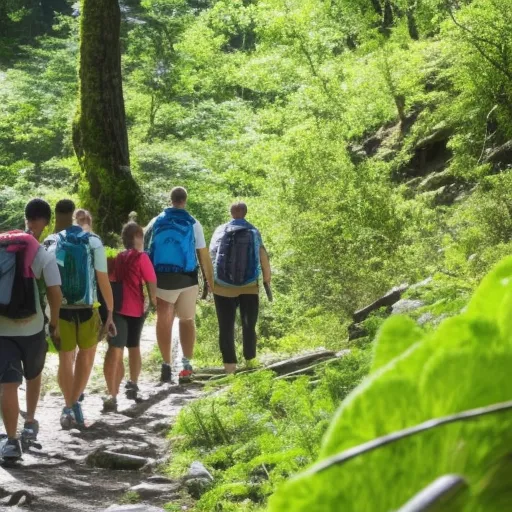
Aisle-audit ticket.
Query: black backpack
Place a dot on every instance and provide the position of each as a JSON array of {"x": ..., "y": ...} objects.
[{"x": 237, "y": 259}]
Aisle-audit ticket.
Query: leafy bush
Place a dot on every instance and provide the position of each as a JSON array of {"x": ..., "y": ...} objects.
[
  {"x": 260, "y": 431},
  {"x": 415, "y": 377}
]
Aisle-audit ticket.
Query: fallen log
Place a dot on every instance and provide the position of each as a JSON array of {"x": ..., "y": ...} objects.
[
  {"x": 296, "y": 363},
  {"x": 389, "y": 299}
]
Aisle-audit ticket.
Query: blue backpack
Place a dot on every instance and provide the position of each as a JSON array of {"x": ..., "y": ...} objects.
[
  {"x": 173, "y": 244},
  {"x": 76, "y": 266},
  {"x": 238, "y": 262}
]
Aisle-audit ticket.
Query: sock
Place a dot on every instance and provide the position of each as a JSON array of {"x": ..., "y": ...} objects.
[{"x": 186, "y": 362}]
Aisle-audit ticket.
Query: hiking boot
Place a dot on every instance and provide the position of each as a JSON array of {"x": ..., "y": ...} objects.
[
  {"x": 81, "y": 398},
  {"x": 67, "y": 418},
  {"x": 131, "y": 390},
  {"x": 30, "y": 430},
  {"x": 79, "y": 415},
  {"x": 11, "y": 450},
  {"x": 166, "y": 375},
  {"x": 110, "y": 404},
  {"x": 185, "y": 376}
]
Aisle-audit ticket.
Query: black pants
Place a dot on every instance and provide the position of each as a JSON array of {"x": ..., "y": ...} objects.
[{"x": 226, "y": 313}]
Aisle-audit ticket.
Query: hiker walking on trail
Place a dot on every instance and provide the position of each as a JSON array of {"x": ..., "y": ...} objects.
[
  {"x": 175, "y": 242},
  {"x": 23, "y": 343},
  {"x": 132, "y": 269},
  {"x": 238, "y": 256},
  {"x": 82, "y": 264}
]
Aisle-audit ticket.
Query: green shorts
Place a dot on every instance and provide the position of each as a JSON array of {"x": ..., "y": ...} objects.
[{"x": 78, "y": 328}]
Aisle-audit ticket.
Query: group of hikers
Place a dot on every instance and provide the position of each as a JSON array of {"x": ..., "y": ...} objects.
[{"x": 66, "y": 289}]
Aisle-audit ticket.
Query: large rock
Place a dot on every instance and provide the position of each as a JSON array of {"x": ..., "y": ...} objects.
[
  {"x": 198, "y": 480},
  {"x": 107, "y": 459}
]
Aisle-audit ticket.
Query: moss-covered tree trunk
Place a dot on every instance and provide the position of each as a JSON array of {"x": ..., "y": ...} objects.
[{"x": 99, "y": 133}]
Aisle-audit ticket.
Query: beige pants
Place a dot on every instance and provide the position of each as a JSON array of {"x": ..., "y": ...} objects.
[{"x": 184, "y": 301}]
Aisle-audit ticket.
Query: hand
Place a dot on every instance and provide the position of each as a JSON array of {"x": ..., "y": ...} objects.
[
  {"x": 109, "y": 327},
  {"x": 55, "y": 335}
]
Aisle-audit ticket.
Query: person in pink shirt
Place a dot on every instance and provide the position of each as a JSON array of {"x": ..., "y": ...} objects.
[{"x": 132, "y": 270}]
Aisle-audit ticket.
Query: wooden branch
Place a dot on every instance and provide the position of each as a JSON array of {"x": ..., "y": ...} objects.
[
  {"x": 380, "y": 442},
  {"x": 308, "y": 370},
  {"x": 295, "y": 363}
]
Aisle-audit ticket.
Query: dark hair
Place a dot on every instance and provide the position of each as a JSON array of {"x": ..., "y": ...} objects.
[
  {"x": 239, "y": 209},
  {"x": 65, "y": 207},
  {"x": 130, "y": 231},
  {"x": 178, "y": 195},
  {"x": 38, "y": 209}
]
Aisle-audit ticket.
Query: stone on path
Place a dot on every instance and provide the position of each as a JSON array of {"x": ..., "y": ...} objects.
[
  {"x": 148, "y": 490},
  {"x": 112, "y": 460},
  {"x": 133, "y": 508}
]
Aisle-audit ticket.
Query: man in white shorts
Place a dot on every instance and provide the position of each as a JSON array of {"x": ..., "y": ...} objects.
[{"x": 175, "y": 243}]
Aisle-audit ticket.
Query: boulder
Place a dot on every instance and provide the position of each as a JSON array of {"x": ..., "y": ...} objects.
[
  {"x": 406, "y": 306},
  {"x": 112, "y": 460},
  {"x": 198, "y": 480}
]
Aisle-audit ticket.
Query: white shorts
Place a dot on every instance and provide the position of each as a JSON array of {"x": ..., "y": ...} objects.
[{"x": 184, "y": 301}]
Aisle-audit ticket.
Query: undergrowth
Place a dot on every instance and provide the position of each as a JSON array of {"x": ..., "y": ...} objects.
[{"x": 260, "y": 431}]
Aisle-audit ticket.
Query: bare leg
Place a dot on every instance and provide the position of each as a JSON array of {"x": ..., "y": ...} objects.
[
  {"x": 111, "y": 369},
  {"x": 67, "y": 375},
  {"x": 33, "y": 392},
  {"x": 135, "y": 360},
  {"x": 188, "y": 337},
  {"x": 164, "y": 321},
  {"x": 120, "y": 373},
  {"x": 10, "y": 408},
  {"x": 83, "y": 368},
  {"x": 229, "y": 368}
]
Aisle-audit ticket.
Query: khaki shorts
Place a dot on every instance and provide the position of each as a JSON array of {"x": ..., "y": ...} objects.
[{"x": 184, "y": 301}]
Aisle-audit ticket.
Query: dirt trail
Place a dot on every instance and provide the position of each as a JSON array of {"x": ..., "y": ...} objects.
[{"x": 58, "y": 477}]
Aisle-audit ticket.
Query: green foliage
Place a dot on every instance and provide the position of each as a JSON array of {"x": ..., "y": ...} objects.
[
  {"x": 260, "y": 431},
  {"x": 463, "y": 365}
]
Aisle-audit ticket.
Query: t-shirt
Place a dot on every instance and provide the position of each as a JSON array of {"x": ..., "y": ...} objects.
[
  {"x": 178, "y": 280},
  {"x": 138, "y": 273},
  {"x": 99, "y": 256},
  {"x": 45, "y": 266}
]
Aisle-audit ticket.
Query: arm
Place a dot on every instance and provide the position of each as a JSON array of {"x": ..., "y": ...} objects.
[
  {"x": 265, "y": 265},
  {"x": 51, "y": 277},
  {"x": 151, "y": 288},
  {"x": 54, "y": 296},
  {"x": 205, "y": 261},
  {"x": 102, "y": 279}
]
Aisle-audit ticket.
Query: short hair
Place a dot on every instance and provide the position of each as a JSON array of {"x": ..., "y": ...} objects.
[
  {"x": 65, "y": 207},
  {"x": 83, "y": 215},
  {"x": 239, "y": 209},
  {"x": 38, "y": 209},
  {"x": 178, "y": 195},
  {"x": 130, "y": 231}
]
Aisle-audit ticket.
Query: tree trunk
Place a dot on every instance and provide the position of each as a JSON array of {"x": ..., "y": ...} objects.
[{"x": 100, "y": 136}]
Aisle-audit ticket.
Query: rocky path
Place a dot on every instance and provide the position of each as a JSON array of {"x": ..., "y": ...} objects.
[{"x": 92, "y": 469}]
